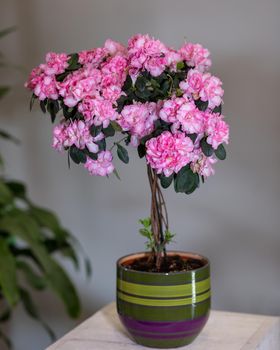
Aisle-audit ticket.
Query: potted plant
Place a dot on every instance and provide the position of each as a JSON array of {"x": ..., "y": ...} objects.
[
  {"x": 30, "y": 239},
  {"x": 165, "y": 103}
]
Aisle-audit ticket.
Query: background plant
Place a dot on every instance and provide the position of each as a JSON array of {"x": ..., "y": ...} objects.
[
  {"x": 163, "y": 101},
  {"x": 30, "y": 239}
]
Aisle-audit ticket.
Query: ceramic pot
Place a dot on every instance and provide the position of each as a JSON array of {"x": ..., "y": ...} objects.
[{"x": 163, "y": 310}]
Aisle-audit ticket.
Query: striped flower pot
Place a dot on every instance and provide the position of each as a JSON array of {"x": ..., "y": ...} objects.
[{"x": 163, "y": 310}]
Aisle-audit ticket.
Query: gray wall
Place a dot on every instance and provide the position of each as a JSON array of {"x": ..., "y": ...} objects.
[{"x": 233, "y": 219}]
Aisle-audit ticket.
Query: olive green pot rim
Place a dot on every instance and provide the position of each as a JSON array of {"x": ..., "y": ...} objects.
[{"x": 193, "y": 255}]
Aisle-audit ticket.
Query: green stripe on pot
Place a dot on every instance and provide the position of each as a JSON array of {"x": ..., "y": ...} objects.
[
  {"x": 164, "y": 343},
  {"x": 171, "y": 291},
  {"x": 163, "y": 279},
  {"x": 164, "y": 302},
  {"x": 163, "y": 314}
]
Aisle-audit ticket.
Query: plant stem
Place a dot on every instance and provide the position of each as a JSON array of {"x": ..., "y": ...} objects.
[{"x": 159, "y": 219}]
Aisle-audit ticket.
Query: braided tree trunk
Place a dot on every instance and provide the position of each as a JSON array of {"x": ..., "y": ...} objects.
[{"x": 159, "y": 220}]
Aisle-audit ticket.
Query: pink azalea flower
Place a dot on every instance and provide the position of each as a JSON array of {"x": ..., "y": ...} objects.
[
  {"x": 56, "y": 63},
  {"x": 193, "y": 84},
  {"x": 102, "y": 166},
  {"x": 115, "y": 48},
  {"x": 73, "y": 133},
  {"x": 196, "y": 56},
  {"x": 93, "y": 57},
  {"x": 211, "y": 91},
  {"x": 168, "y": 152},
  {"x": 203, "y": 165},
  {"x": 216, "y": 129},
  {"x": 190, "y": 118},
  {"x": 147, "y": 53},
  {"x": 42, "y": 85},
  {"x": 80, "y": 84},
  {"x": 138, "y": 119}
]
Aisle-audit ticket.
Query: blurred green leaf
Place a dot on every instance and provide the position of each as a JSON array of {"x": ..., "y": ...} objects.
[
  {"x": 23, "y": 226},
  {"x": 4, "y": 90},
  {"x": 34, "y": 280},
  {"x": 7, "y": 31},
  {"x": 9, "y": 137},
  {"x": 32, "y": 311},
  {"x": 8, "y": 278},
  {"x": 6, "y": 196},
  {"x": 6, "y": 340}
]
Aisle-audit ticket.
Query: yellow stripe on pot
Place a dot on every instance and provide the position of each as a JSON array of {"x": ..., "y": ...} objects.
[
  {"x": 164, "y": 302},
  {"x": 182, "y": 290}
]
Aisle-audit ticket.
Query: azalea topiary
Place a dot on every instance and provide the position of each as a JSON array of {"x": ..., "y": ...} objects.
[{"x": 162, "y": 101}]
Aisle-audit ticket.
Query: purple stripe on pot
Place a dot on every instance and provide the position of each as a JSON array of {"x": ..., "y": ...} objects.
[
  {"x": 163, "y": 336},
  {"x": 164, "y": 327}
]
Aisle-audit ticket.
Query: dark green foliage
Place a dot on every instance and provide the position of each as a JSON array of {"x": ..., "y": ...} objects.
[
  {"x": 186, "y": 181},
  {"x": 201, "y": 105},
  {"x": 109, "y": 131},
  {"x": 53, "y": 108},
  {"x": 165, "y": 181},
  {"x": 122, "y": 153},
  {"x": 206, "y": 148},
  {"x": 218, "y": 109},
  {"x": 77, "y": 155},
  {"x": 220, "y": 152}
]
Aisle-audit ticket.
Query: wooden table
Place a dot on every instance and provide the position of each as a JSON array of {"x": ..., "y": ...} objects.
[{"x": 224, "y": 331}]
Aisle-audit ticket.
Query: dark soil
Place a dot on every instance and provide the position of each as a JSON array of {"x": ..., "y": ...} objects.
[{"x": 173, "y": 263}]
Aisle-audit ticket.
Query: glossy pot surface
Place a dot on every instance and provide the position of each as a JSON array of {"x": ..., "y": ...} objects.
[{"x": 163, "y": 310}]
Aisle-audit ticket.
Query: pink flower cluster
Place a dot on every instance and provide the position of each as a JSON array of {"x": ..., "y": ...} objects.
[
  {"x": 42, "y": 79},
  {"x": 93, "y": 85},
  {"x": 138, "y": 119},
  {"x": 168, "y": 152},
  {"x": 203, "y": 86},
  {"x": 75, "y": 133}
]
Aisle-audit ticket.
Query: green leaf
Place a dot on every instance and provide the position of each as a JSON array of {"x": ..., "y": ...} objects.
[
  {"x": 34, "y": 280},
  {"x": 109, "y": 131},
  {"x": 46, "y": 218},
  {"x": 32, "y": 311},
  {"x": 144, "y": 232},
  {"x": 218, "y": 109},
  {"x": 32, "y": 100},
  {"x": 122, "y": 153},
  {"x": 141, "y": 150},
  {"x": 6, "y": 196},
  {"x": 53, "y": 108},
  {"x": 116, "y": 174},
  {"x": 116, "y": 126},
  {"x": 201, "y": 105},
  {"x": 127, "y": 84},
  {"x": 95, "y": 130},
  {"x": 166, "y": 181},
  {"x": 73, "y": 62},
  {"x": 101, "y": 144},
  {"x": 206, "y": 148},
  {"x": 22, "y": 225},
  {"x": 43, "y": 105},
  {"x": 77, "y": 155},
  {"x": 8, "y": 278},
  {"x": 184, "y": 180},
  {"x": 145, "y": 222},
  {"x": 7, "y": 31},
  {"x": 195, "y": 184},
  {"x": 180, "y": 65},
  {"x": 17, "y": 188},
  {"x": 220, "y": 152},
  {"x": 4, "y": 90},
  {"x": 9, "y": 137},
  {"x": 6, "y": 340},
  {"x": 6, "y": 315}
]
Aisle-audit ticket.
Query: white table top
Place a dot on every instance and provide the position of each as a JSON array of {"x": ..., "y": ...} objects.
[{"x": 224, "y": 331}]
